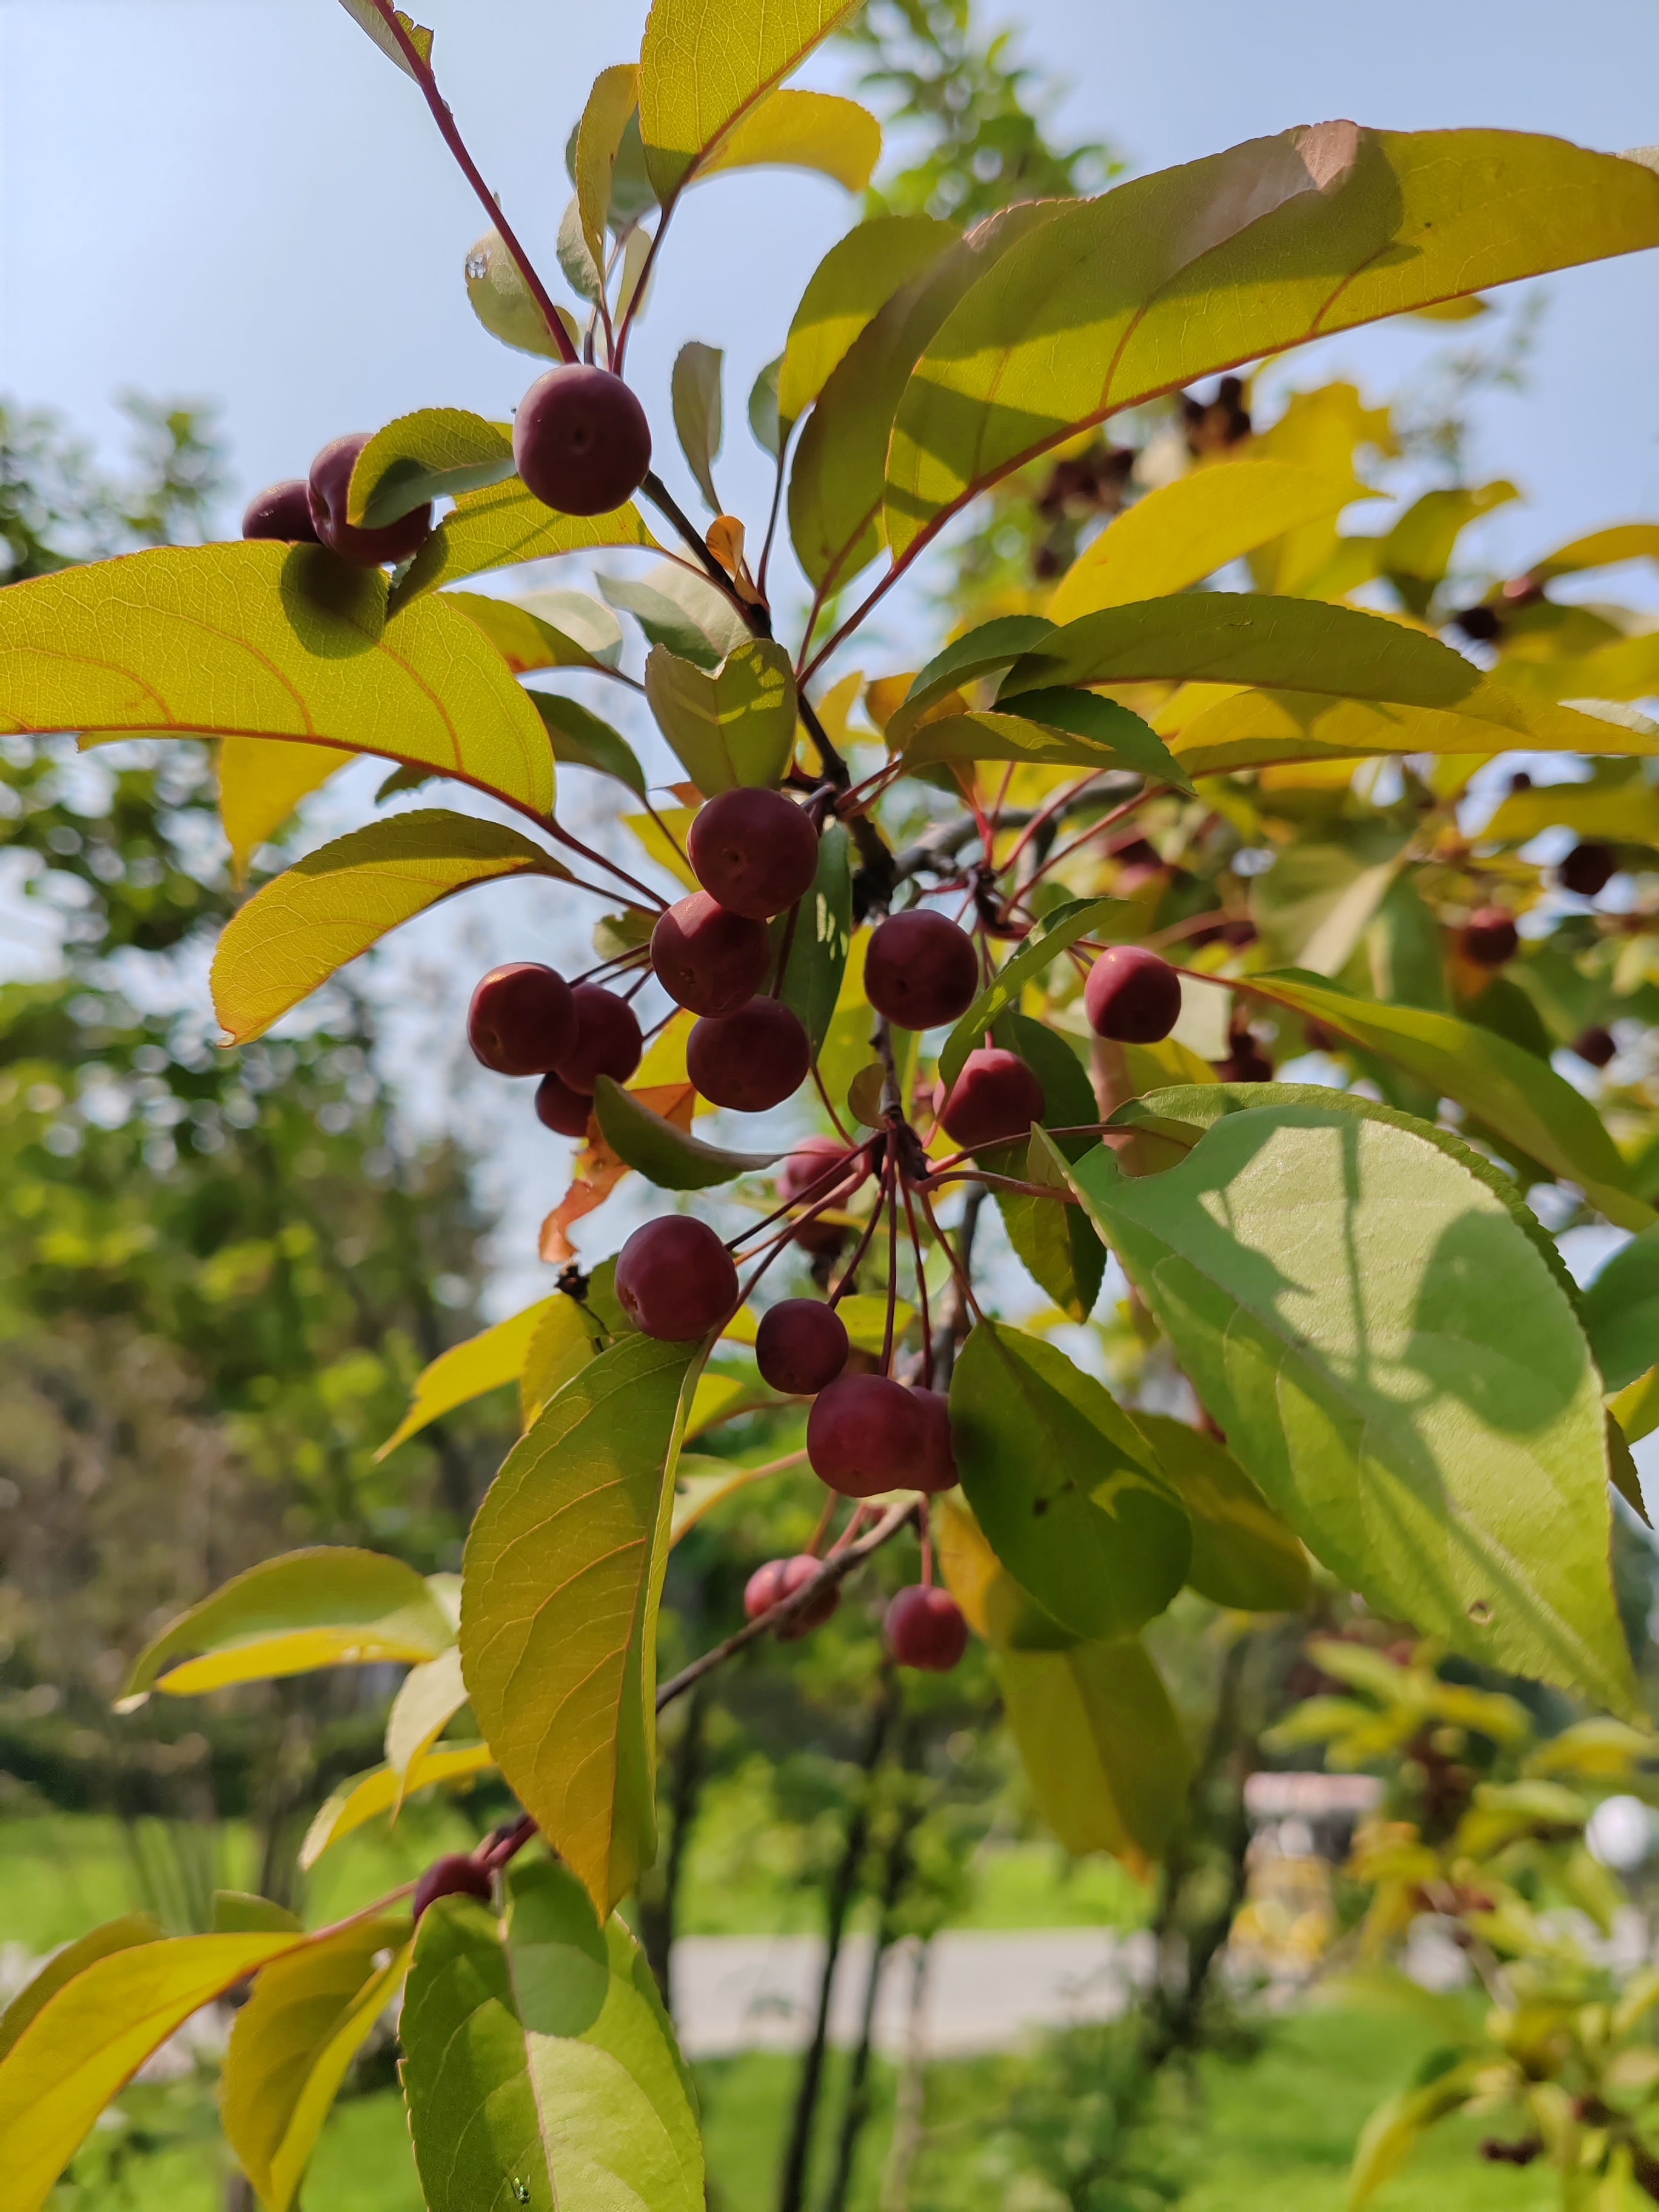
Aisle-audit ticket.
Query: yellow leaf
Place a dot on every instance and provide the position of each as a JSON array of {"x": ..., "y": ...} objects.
[
  {"x": 259, "y": 640},
  {"x": 89, "y": 2040},
  {"x": 561, "y": 1346},
  {"x": 484, "y": 1362},
  {"x": 295, "y": 932},
  {"x": 703, "y": 1484},
  {"x": 431, "y": 1695},
  {"x": 736, "y": 727},
  {"x": 662, "y": 835},
  {"x": 436, "y": 452},
  {"x": 615, "y": 96},
  {"x": 852, "y": 283},
  {"x": 504, "y": 525},
  {"x": 715, "y": 1396},
  {"x": 379, "y": 1790},
  {"x": 1602, "y": 548},
  {"x": 1636, "y": 1408},
  {"x": 804, "y": 131},
  {"x": 1628, "y": 813},
  {"x": 309, "y": 2015},
  {"x": 64, "y": 1965},
  {"x": 505, "y": 304},
  {"x": 260, "y": 784}
]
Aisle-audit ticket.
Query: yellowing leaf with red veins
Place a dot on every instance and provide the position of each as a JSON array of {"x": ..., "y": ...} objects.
[
  {"x": 321, "y": 913},
  {"x": 259, "y": 640},
  {"x": 504, "y": 524}
]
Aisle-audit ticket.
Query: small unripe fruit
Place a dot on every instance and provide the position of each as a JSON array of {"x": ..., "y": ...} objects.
[
  {"x": 561, "y": 1109},
  {"x": 707, "y": 957},
  {"x": 581, "y": 440},
  {"x": 937, "y": 1470},
  {"x": 1587, "y": 870},
  {"x": 330, "y": 481},
  {"x": 780, "y": 1578},
  {"x": 800, "y": 1346},
  {"x": 994, "y": 1099},
  {"x": 453, "y": 1875},
  {"x": 924, "y": 1627},
  {"x": 1489, "y": 937},
  {"x": 864, "y": 1434},
  {"x": 1132, "y": 996},
  {"x": 755, "y": 851},
  {"x": 1595, "y": 1045},
  {"x": 607, "y": 1040},
  {"x": 282, "y": 511},
  {"x": 522, "y": 1020},
  {"x": 752, "y": 1059},
  {"x": 921, "y": 969},
  {"x": 675, "y": 1279}
]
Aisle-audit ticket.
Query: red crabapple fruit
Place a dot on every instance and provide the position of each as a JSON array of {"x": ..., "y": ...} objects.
[
  {"x": 580, "y": 439},
  {"x": 1132, "y": 996},
  {"x": 675, "y": 1279},
  {"x": 755, "y": 851},
  {"x": 707, "y": 957},
  {"x": 282, "y": 511},
  {"x": 921, "y": 969},
  {"x": 780, "y": 1578},
  {"x": 752, "y": 1059},
  {"x": 522, "y": 1020},
  {"x": 331, "y": 480},
  {"x": 561, "y": 1109},
  {"x": 1489, "y": 937},
  {"x": 864, "y": 1434},
  {"x": 607, "y": 1040},
  {"x": 800, "y": 1346},
  {"x": 924, "y": 1627},
  {"x": 995, "y": 1100},
  {"x": 455, "y": 1875}
]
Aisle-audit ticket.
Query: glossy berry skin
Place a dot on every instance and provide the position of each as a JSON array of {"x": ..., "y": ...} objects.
[
  {"x": 994, "y": 1099},
  {"x": 921, "y": 969},
  {"x": 675, "y": 1279},
  {"x": 800, "y": 1346},
  {"x": 805, "y": 1175},
  {"x": 1132, "y": 996},
  {"x": 522, "y": 1020},
  {"x": 780, "y": 1578},
  {"x": 708, "y": 958},
  {"x": 937, "y": 1470},
  {"x": 453, "y": 1875},
  {"x": 331, "y": 480},
  {"x": 752, "y": 1059},
  {"x": 282, "y": 511},
  {"x": 1587, "y": 870},
  {"x": 581, "y": 440},
  {"x": 924, "y": 1627},
  {"x": 864, "y": 1434},
  {"x": 561, "y": 1109},
  {"x": 755, "y": 851},
  {"x": 1489, "y": 937},
  {"x": 607, "y": 1040},
  {"x": 1595, "y": 1045}
]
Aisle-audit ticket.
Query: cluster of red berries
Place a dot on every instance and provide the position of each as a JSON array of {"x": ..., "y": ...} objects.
[
  {"x": 923, "y": 1627},
  {"x": 524, "y": 1019},
  {"x": 312, "y": 510}
]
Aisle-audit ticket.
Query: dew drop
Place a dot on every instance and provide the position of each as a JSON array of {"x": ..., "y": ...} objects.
[{"x": 477, "y": 265}]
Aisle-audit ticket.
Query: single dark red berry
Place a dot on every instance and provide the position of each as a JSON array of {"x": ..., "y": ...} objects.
[
  {"x": 558, "y": 1108},
  {"x": 780, "y": 1578},
  {"x": 330, "y": 481},
  {"x": 522, "y": 1020},
  {"x": 453, "y": 1875},
  {"x": 1489, "y": 937},
  {"x": 924, "y": 1627},
  {"x": 864, "y": 1434},
  {"x": 805, "y": 1175},
  {"x": 1595, "y": 1045},
  {"x": 937, "y": 1470},
  {"x": 921, "y": 969},
  {"x": 800, "y": 1346},
  {"x": 994, "y": 1099},
  {"x": 1246, "y": 1062},
  {"x": 1132, "y": 996},
  {"x": 1587, "y": 870},
  {"x": 581, "y": 440},
  {"x": 755, "y": 851},
  {"x": 708, "y": 958},
  {"x": 284, "y": 510},
  {"x": 752, "y": 1059},
  {"x": 607, "y": 1040},
  {"x": 674, "y": 1279}
]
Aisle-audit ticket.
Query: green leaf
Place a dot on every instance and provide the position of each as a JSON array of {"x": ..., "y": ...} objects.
[
  {"x": 369, "y": 18},
  {"x": 1185, "y": 531},
  {"x": 504, "y": 525},
  {"x": 821, "y": 934},
  {"x": 734, "y": 727},
  {"x": 505, "y": 304},
  {"x": 581, "y": 739},
  {"x": 764, "y": 409},
  {"x": 804, "y": 131},
  {"x": 431, "y": 1697},
  {"x": 611, "y": 103},
  {"x": 1523, "y": 1102},
  {"x": 681, "y": 610},
  {"x": 1389, "y": 2135},
  {"x": 1395, "y": 1364},
  {"x": 1244, "y": 1555},
  {"x": 1056, "y": 1243},
  {"x": 1416, "y": 552},
  {"x": 855, "y": 279},
  {"x": 563, "y": 1576},
  {"x": 260, "y": 784},
  {"x": 379, "y": 1790},
  {"x": 1627, "y": 813},
  {"x": 260, "y": 640},
  {"x": 434, "y": 453},
  {"x": 540, "y": 2070},
  {"x": 487, "y": 1361},
  {"x": 1068, "y": 1495},
  {"x": 580, "y": 271},
  {"x": 89, "y": 2038},
  {"x": 329, "y": 1606},
  {"x": 990, "y": 649},
  {"x": 668, "y": 1156},
  {"x": 835, "y": 485},
  {"x": 63, "y": 1965},
  {"x": 299, "y": 930},
  {"x": 1620, "y": 1311},
  {"x": 309, "y": 2015},
  {"x": 1173, "y": 276},
  {"x": 695, "y": 88},
  {"x": 566, "y": 1338},
  {"x": 1062, "y": 728},
  {"x": 1048, "y": 940},
  {"x": 1317, "y": 900},
  {"x": 694, "y": 388},
  {"x": 545, "y": 630},
  {"x": 243, "y": 1912}
]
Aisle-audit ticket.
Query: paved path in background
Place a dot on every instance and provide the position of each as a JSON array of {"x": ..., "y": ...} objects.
[{"x": 981, "y": 1990}]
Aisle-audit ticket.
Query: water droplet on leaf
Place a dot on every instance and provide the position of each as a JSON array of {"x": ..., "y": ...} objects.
[{"x": 477, "y": 265}]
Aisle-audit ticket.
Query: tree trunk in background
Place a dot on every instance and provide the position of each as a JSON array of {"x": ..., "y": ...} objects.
[
  {"x": 659, "y": 1898},
  {"x": 910, "y": 2106}
]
